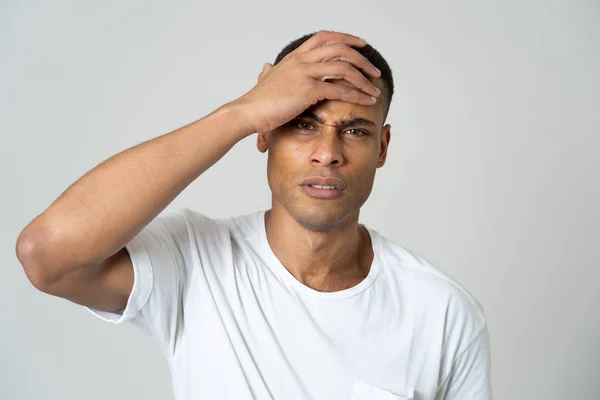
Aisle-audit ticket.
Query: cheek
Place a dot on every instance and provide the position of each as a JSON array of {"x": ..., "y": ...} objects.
[
  {"x": 283, "y": 165},
  {"x": 365, "y": 174},
  {"x": 285, "y": 155}
]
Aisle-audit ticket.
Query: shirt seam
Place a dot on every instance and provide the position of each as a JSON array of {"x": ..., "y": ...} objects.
[{"x": 462, "y": 353}]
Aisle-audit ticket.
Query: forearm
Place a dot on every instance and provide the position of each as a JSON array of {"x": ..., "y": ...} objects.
[{"x": 105, "y": 208}]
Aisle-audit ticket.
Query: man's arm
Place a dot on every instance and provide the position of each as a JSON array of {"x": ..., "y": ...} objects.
[{"x": 75, "y": 248}]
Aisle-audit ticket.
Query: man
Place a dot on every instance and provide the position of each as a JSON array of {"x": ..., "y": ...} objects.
[{"x": 296, "y": 302}]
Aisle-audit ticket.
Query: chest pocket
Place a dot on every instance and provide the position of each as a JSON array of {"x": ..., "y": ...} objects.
[{"x": 361, "y": 391}]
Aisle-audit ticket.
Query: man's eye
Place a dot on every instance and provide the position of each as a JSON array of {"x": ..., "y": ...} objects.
[
  {"x": 357, "y": 132},
  {"x": 303, "y": 125}
]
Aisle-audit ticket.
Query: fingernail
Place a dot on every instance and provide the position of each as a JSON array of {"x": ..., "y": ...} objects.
[{"x": 377, "y": 90}]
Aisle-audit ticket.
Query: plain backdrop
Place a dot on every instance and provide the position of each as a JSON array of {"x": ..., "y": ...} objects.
[{"x": 493, "y": 171}]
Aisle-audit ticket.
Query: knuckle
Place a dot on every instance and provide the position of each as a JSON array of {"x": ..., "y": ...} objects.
[
  {"x": 343, "y": 64},
  {"x": 294, "y": 57},
  {"x": 305, "y": 68},
  {"x": 321, "y": 35},
  {"x": 343, "y": 50},
  {"x": 344, "y": 90}
]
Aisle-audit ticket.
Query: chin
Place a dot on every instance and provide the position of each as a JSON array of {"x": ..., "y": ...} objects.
[{"x": 319, "y": 219}]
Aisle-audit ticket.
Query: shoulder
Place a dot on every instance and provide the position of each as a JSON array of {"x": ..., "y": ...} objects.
[
  {"x": 203, "y": 228},
  {"x": 448, "y": 304}
]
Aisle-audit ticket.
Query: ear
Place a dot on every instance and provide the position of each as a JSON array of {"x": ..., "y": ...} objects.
[
  {"x": 386, "y": 135},
  {"x": 262, "y": 141}
]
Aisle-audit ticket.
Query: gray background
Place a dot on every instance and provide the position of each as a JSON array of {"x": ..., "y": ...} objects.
[{"x": 493, "y": 171}]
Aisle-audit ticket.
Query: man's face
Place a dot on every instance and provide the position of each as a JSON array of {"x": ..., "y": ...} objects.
[{"x": 333, "y": 139}]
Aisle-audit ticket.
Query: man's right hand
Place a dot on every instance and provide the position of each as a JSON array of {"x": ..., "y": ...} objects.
[{"x": 300, "y": 80}]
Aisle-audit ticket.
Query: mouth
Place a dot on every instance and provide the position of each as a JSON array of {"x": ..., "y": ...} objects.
[{"x": 325, "y": 192}]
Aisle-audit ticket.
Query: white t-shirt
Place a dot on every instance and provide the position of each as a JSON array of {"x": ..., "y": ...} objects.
[{"x": 234, "y": 323}]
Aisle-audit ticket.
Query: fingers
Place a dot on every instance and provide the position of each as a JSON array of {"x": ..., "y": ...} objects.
[
  {"x": 342, "y": 70},
  {"x": 339, "y": 91},
  {"x": 323, "y": 38},
  {"x": 340, "y": 51},
  {"x": 329, "y": 56}
]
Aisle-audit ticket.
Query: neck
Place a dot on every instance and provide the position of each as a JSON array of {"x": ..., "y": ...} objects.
[{"x": 327, "y": 261}]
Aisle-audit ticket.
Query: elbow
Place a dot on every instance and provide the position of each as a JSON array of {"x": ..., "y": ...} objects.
[{"x": 28, "y": 253}]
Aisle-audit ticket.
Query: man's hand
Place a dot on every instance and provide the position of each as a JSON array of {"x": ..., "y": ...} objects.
[{"x": 300, "y": 80}]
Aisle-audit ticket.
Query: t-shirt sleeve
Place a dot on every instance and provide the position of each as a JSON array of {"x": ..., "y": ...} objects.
[
  {"x": 162, "y": 260},
  {"x": 470, "y": 377}
]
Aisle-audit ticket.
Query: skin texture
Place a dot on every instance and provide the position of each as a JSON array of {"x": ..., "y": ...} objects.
[{"x": 320, "y": 241}]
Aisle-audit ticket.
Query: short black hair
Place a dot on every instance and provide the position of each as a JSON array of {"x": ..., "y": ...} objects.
[{"x": 368, "y": 51}]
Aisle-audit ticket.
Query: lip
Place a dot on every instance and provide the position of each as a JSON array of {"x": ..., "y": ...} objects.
[
  {"x": 324, "y": 194},
  {"x": 323, "y": 181}
]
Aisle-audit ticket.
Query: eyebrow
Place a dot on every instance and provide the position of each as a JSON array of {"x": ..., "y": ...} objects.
[{"x": 344, "y": 123}]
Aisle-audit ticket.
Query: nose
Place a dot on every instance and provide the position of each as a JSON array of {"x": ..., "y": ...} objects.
[{"x": 328, "y": 149}]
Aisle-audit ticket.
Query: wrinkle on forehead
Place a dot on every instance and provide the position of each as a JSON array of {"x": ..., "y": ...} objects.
[
  {"x": 337, "y": 109},
  {"x": 330, "y": 116}
]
